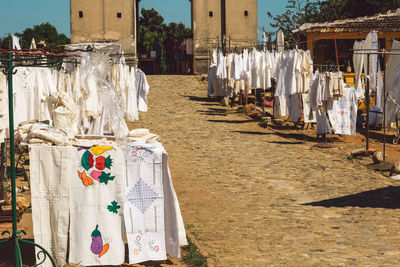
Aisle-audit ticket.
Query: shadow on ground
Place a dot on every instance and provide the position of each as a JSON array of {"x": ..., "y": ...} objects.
[
  {"x": 251, "y": 132},
  {"x": 231, "y": 121},
  {"x": 387, "y": 198},
  {"x": 378, "y": 136},
  {"x": 214, "y": 112},
  {"x": 202, "y": 99},
  {"x": 305, "y": 137},
  {"x": 285, "y": 142}
]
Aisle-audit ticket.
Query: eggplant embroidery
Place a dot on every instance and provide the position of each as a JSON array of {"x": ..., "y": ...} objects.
[{"x": 97, "y": 246}]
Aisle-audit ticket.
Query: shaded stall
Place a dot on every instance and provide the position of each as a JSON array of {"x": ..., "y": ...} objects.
[{"x": 340, "y": 35}]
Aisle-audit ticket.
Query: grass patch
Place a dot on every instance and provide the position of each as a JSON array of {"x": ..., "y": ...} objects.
[{"x": 192, "y": 256}]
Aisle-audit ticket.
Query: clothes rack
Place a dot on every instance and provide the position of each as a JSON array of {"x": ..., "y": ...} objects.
[
  {"x": 11, "y": 60},
  {"x": 383, "y": 53}
]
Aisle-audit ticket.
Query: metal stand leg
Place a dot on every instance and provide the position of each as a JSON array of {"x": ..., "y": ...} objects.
[{"x": 15, "y": 234}]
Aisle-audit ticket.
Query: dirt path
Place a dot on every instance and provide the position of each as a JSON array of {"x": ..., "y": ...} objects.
[{"x": 251, "y": 197}]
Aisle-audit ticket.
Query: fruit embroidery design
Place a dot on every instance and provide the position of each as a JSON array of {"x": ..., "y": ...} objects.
[
  {"x": 100, "y": 164},
  {"x": 144, "y": 239},
  {"x": 139, "y": 154},
  {"x": 97, "y": 246}
]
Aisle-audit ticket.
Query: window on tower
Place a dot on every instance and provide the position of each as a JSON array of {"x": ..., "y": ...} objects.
[
  {"x": 246, "y": 13},
  {"x": 80, "y": 14},
  {"x": 119, "y": 15},
  {"x": 210, "y": 14}
]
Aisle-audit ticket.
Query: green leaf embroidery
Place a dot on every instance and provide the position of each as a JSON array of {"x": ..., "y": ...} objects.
[
  {"x": 113, "y": 207},
  {"x": 105, "y": 177},
  {"x": 138, "y": 245},
  {"x": 108, "y": 162}
]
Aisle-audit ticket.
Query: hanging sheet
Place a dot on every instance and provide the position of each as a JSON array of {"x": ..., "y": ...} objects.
[
  {"x": 50, "y": 172},
  {"x": 153, "y": 220},
  {"x": 96, "y": 207}
]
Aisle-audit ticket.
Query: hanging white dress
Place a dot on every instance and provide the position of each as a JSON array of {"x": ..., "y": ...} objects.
[
  {"x": 131, "y": 96},
  {"x": 392, "y": 82},
  {"x": 142, "y": 88},
  {"x": 26, "y": 99}
]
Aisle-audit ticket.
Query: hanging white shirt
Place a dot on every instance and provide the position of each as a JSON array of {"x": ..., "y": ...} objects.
[{"x": 142, "y": 88}]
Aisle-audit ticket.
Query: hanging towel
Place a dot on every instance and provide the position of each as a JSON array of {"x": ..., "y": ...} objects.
[
  {"x": 15, "y": 42},
  {"x": 96, "y": 207},
  {"x": 280, "y": 41},
  {"x": 144, "y": 203},
  {"x": 50, "y": 171},
  {"x": 153, "y": 219},
  {"x": 33, "y": 44}
]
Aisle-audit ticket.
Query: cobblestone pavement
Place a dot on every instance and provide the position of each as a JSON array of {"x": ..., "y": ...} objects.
[{"x": 251, "y": 197}]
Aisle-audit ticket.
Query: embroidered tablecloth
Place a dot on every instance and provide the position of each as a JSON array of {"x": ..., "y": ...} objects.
[{"x": 96, "y": 207}]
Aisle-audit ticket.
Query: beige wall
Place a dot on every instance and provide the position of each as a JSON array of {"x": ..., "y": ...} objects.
[
  {"x": 240, "y": 28},
  {"x": 102, "y": 24},
  {"x": 90, "y": 27},
  {"x": 207, "y": 30}
]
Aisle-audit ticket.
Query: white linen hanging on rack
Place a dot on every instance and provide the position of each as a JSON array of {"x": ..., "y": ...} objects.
[
  {"x": 280, "y": 41},
  {"x": 50, "y": 171},
  {"x": 371, "y": 46},
  {"x": 358, "y": 62},
  {"x": 3, "y": 107},
  {"x": 142, "y": 88},
  {"x": 26, "y": 95},
  {"x": 131, "y": 96},
  {"x": 379, "y": 88},
  {"x": 15, "y": 42},
  {"x": 33, "y": 44},
  {"x": 392, "y": 83},
  {"x": 343, "y": 115},
  {"x": 153, "y": 220},
  {"x": 96, "y": 207}
]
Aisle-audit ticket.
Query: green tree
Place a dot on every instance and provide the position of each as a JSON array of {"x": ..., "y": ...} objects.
[
  {"x": 297, "y": 12},
  {"x": 44, "y": 31},
  {"x": 308, "y": 11},
  {"x": 151, "y": 28},
  {"x": 342, "y": 9},
  {"x": 177, "y": 31}
]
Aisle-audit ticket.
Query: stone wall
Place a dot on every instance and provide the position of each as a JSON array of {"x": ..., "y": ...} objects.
[
  {"x": 241, "y": 27},
  {"x": 104, "y": 20}
]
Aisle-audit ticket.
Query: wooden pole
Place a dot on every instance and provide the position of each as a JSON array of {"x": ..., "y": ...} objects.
[
  {"x": 246, "y": 86},
  {"x": 384, "y": 110},
  {"x": 367, "y": 105}
]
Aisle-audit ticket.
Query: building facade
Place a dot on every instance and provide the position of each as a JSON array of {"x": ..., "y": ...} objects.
[
  {"x": 215, "y": 24},
  {"x": 222, "y": 23},
  {"x": 104, "y": 21}
]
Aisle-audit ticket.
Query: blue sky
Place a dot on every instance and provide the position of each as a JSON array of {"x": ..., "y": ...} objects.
[{"x": 16, "y": 15}]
